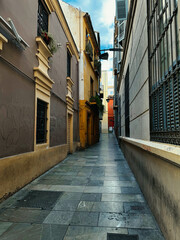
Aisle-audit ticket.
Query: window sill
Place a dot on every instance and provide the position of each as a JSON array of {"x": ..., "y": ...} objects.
[
  {"x": 169, "y": 152},
  {"x": 41, "y": 146}
]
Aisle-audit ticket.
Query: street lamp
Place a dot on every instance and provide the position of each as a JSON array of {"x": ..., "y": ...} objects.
[{"x": 104, "y": 56}]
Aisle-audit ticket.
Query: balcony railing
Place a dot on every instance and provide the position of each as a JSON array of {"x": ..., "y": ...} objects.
[{"x": 89, "y": 50}]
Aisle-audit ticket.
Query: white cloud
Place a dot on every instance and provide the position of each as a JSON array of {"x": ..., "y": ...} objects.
[{"x": 107, "y": 13}]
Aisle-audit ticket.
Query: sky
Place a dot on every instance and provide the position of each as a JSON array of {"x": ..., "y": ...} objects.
[{"x": 102, "y": 14}]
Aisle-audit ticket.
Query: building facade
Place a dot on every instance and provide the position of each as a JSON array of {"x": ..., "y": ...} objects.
[
  {"x": 120, "y": 21},
  {"x": 149, "y": 106},
  {"x": 39, "y": 96},
  {"x": 88, "y": 42}
]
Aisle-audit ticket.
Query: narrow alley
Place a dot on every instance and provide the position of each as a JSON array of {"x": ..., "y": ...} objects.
[{"x": 89, "y": 194}]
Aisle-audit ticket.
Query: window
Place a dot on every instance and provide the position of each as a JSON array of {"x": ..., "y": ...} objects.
[
  {"x": 127, "y": 129},
  {"x": 68, "y": 63},
  {"x": 164, "y": 61},
  {"x": 91, "y": 87},
  {"x": 42, "y": 18},
  {"x": 41, "y": 127},
  {"x": 121, "y": 8}
]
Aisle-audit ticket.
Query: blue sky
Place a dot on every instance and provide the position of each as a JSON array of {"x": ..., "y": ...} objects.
[{"x": 102, "y": 14}]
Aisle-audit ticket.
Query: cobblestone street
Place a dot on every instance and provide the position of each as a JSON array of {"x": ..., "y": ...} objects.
[{"x": 89, "y": 194}]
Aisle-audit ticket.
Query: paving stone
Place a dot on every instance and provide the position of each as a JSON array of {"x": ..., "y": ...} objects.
[
  {"x": 136, "y": 207},
  {"x": 65, "y": 205},
  {"x": 131, "y": 190},
  {"x": 115, "y": 207},
  {"x": 59, "y": 217},
  {"x": 119, "y": 184},
  {"x": 85, "y": 206},
  {"x": 4, "y": 226},
  {"x": 94, "y": 197},
  {"x": 127, "y": 220},
  {"x": 90, "y": 233},
  {"x": 22, "y": 231},
  {"x": 95, "y": 183},
  {"x": 122, "y": 197},
  {"x": 23, "y": 215},
  {"x": 85, "y": 218},
  {"x": 40, "y": 199},
  {"x": 100, "y": 196},
  {"x": 71, "y": 196}
]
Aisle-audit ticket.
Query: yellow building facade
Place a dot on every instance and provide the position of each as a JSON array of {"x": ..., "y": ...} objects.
[
  {"x": 88, "y": 43},
  {"x": 88, "y": 110}
]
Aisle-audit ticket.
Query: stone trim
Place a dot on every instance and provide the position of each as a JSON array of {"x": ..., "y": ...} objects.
[
  {"x": 169, "y": 152},
  {"x": 43, "y": 85},
  {"x": 2, "y": 40}
]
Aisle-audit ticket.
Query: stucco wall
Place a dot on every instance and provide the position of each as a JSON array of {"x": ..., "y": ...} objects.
[
  {"x": 18, "y": 86},
  {"x": 16, "y": 112},
  {"x": 156, "y": 167},
  {"x": 137, "y": 60}
]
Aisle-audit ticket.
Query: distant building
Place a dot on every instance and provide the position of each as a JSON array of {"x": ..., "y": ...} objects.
[
  {"x": 110, "y": 113},
  {"x": 39, "y": 91},
  {"x": 148, "y": 107},
  {"x": 88, "y": 42}
]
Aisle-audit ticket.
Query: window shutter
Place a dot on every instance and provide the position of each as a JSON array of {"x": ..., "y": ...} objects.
[
  {"x": 121, "y": 31},
  {"x": 121, "y": 8}
]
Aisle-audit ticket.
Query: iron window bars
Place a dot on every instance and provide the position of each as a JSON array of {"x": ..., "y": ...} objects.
[
  {"x": 164, "y": 70},
  {"x": 41, "y": 128},
  {"x": 68, "y": 64},
  {"x": 42, "y": 18}
]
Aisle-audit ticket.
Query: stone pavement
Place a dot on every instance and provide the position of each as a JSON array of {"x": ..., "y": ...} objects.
[{"x": 91, "y": 193}]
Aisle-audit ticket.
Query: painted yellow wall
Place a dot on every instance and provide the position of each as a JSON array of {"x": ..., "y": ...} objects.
[
  {"x": 23, "y": 168},
  {"x": 88, "y": 69}
]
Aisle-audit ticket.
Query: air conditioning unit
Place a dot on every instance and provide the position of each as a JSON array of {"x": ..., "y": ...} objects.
[{"x": 121, "y": 31}]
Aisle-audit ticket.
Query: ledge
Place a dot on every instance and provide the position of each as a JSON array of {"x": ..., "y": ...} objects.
[{"x": 169, "y": 152}]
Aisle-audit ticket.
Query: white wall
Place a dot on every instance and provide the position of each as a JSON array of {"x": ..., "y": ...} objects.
[{"x": 137, "y": 59}]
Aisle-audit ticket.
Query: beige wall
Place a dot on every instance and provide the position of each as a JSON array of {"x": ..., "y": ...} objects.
[
  {"x": 157, "y": 168},
  {"x": 137, "y": 59}
]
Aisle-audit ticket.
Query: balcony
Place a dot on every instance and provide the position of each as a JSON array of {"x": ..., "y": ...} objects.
[{"x": 89, "y": 51}]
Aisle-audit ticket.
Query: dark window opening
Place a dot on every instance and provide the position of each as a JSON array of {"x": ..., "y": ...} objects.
[
  {"x": 42, "y": 18},
  {"x": 68, "y": 64},
  {"x": 41, "y": 127},
  {"x": 91, "y": 87},
  {"x": 127, "y": 127}
]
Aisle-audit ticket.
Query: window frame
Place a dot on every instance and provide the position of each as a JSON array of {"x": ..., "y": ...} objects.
[
  {"x": 164, "y": 71},
  {"x": 42, "y": 4}
]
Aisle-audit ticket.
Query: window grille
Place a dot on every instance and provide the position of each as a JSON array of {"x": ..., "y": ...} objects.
[
  {"x": 68, "y": 64},
  {"x": 41, "y": 127},
  {"x": 127, "y": 127},
  {"x": 42, "y": 18},
  {"x": 164, "y": 70}
]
